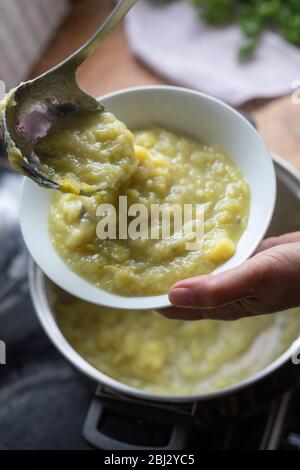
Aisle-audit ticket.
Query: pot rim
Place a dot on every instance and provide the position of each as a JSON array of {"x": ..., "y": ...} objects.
[{"x": 37, "y": 285}]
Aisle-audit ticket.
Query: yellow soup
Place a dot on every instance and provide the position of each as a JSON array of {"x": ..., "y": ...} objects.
[
  {"x": 147, "y": 351},
  {"x": 85, "y": 153},
  {"x": 172, "y": 169}
]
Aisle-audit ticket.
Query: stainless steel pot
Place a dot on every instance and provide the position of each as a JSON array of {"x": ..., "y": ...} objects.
[{"x": 242, "y": 397}]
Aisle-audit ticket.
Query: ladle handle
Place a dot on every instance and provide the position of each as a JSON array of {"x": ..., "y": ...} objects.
[{"x": 78, "y": 57}]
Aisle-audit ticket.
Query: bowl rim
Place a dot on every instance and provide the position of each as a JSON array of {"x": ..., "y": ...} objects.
[{"x": 162, "y": 300}]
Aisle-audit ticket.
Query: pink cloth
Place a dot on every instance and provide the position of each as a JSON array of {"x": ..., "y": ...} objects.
[{"x": 173, "y": 41}]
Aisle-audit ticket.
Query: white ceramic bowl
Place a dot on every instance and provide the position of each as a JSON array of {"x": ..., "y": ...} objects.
[{"x": 185, "y": 111}]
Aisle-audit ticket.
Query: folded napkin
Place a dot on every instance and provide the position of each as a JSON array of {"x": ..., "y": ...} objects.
[{"x": 181, "y": 48}]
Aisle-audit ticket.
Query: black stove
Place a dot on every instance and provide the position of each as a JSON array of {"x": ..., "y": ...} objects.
[{"x": 46, "y": 404}]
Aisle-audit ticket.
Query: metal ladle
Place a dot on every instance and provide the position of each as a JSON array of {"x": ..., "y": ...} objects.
[{"x": 36, "y": 105}]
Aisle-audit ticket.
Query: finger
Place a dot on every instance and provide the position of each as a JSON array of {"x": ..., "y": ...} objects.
[
  {"x": 270, "y": 242},
  {"x": 253, "y": 277},
  {"x": 229, "y": 312},
  {"x": 178, "y": 313}
]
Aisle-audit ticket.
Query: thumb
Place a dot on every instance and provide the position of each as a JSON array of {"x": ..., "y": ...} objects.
[{"x": 253, "y": 278}]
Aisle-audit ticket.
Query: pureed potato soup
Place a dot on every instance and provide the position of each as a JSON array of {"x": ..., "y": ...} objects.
[
  {"x": 147, "y": 351},
  {"x": 172, "y": 170},
  {"x": 92, "y": 151}
]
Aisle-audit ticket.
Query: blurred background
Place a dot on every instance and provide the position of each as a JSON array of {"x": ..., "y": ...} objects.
[{"x": 249, "y": 58}]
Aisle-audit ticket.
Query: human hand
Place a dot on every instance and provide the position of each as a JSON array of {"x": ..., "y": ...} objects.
[{"x": 268, "y": 282}]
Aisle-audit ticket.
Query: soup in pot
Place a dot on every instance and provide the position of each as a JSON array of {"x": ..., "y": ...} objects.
[{"x": 147, "y": 351}]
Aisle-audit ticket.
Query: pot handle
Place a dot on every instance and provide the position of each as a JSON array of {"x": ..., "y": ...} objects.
[{"x": 105, "y": 418}]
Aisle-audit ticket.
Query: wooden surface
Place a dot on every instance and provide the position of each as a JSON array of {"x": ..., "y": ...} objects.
[{"x": 113, "y": 67}]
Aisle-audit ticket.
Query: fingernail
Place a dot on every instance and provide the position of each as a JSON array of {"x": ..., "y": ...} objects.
[{"x": 181, "y": 297}]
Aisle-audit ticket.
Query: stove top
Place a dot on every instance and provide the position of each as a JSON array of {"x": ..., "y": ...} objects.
[{"x": 44, "y": 402}]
